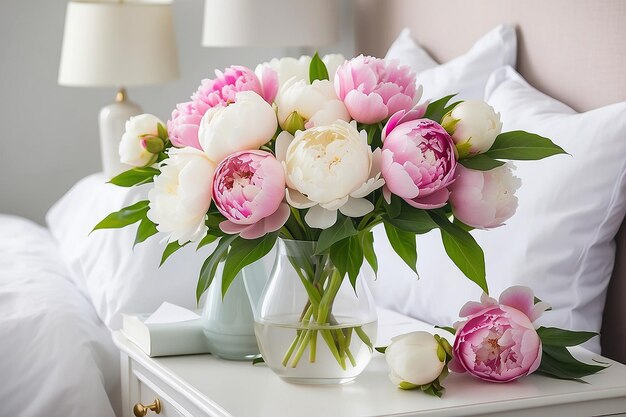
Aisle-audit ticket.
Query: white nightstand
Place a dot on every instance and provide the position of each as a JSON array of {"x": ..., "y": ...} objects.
[{"x": 202, "y": 385}]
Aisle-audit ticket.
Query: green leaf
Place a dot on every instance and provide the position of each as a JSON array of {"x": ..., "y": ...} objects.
[
  {"x": 462, "y": 249},
  {"x": 412, "y": 220},
  {"x": 317, "y": 69},
  {"x": 162, "y": 132},
  {"x": 124, "y": 217},
  {"x": 209, "y": 267},
  {"x": 403, "y": 243},
  {"x": 244, "y": 252},
  {"x": 552, "y": 336},
  {"x": 135, "y": 176},
  {"x": 481, "y": 162},
  {"x": 208, "y": 239},
  {"x": 394, "y": 208},
  {"x": 257, "y": 361},
  {"x": 347, "y": 256},
  {"x": 557, "y": 361},
  {"x": 169, "y": 250},
  {"x": 381, "y": 349},
  {"x": 437, "y": 109},
  {"x": 145, "y": 230},
  {"x": 520, "y": 145},
  {"x": 367, "y": 243},
  {"x": 342, "y": 229},
  {"x": 447, "y": 329}
]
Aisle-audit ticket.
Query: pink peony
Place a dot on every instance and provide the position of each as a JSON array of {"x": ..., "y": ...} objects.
[
  {"x": 498, "y": 342},
  {"x": 248, "y": 189},
  {"x": 219, "y": 91},
  {"x": 484, "y": 199},
  {"x": 373, "y": 89},
  {"x": 183, "y": 127},
  {"x": 418, "y": 160}
]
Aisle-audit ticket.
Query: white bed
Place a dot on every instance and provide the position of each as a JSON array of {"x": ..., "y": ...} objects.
[{"x": 56, "y": 356}]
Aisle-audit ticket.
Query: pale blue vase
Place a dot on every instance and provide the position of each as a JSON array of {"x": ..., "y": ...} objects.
[{"x": 229, "y": 323}]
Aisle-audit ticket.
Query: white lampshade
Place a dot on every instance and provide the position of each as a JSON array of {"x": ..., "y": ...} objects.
[
  {"x": 114, "y": 44},
  {"x": 278, "y": 23}
]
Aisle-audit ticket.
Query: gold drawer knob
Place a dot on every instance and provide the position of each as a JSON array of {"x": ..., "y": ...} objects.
[{"x": 141, "y": 410}]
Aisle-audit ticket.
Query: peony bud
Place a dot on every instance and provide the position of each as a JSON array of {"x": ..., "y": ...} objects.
[
  {"x": 416, "y": 359},
  {"x": 137, "y": 147},
  {"x": 293, "y": 123},
  {"x": 153, "y": 144},
  {"x": 473, "y": 125}
]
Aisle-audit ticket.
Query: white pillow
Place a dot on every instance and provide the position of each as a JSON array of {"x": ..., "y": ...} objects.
[
  {"x": 561, "y": 240},
  {"x": 117, "y": 278},
  {"x": 467, "y": 74}
]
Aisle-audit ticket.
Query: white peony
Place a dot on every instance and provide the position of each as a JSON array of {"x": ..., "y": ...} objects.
[
  {"x": 314, "y": 105},
  {"x": 181, "y": 195},
  {"x": 329, "y": 168},
  {"x": 246, "y": 124},
  {"x": 288, "y": 67},
  {"x": 413, "y": 358},
  {"x": 473, "y": 125},
  {"x": 133, "y": 150}
]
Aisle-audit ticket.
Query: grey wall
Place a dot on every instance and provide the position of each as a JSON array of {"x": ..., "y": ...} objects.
[{"x": 49, "y": 134}]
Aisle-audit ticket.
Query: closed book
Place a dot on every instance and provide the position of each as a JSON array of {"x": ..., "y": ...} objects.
[{"x": 165, "y": 339}]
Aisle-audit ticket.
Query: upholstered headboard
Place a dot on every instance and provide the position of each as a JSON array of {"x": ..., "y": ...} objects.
[{"x": 572, "y": 50}]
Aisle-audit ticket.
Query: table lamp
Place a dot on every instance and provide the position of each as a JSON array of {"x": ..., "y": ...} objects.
[
  {"x": 117, "y": 44},
  {"x": 267, "y": 23}
]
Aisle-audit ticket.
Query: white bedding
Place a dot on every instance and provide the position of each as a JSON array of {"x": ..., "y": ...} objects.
[{"x": 56, "y": 356}]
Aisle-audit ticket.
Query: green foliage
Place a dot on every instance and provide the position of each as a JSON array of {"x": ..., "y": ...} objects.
[
  {"x": 520, "y": 145},
  {"x": 448, "y": 329},
  {"x": 208, "y": 239},
  {"x": 403, "y": 243},
  {"x": 209, "y": 267},
  {"x": 347, "y": 256},
  {"x": 558, "y": 362},
  {"x": 437, "y": 109},
  {"x": 124, "y": 217},
  {"x": 462, "y": 249},
  {"x": 342, "y": 229},
  {"x": 366, "y": 239},
  {"x": 481, "y": 162},
  {"x": 552, "y": 336},
  {"x": 146, "y": 229},
  {"x": 243, "y": 252},
  {"x": 410, "y": 219},
  {"x": 135, "y": 176},
  {"x": 317, "y": 69},
  {"x": 169, "y": 250},
  {"x": 162, "y": 132}
]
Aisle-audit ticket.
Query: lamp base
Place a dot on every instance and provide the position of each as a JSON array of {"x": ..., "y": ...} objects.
[{"x": 112, "y": 121}]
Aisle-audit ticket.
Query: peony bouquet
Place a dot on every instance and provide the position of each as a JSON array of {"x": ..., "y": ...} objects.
[{"x": 321, "y": 151}]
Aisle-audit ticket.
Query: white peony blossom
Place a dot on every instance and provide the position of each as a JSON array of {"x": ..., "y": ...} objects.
[
  {"x": 413, "y": 358},
  {"x": 315, "y": 104},
  {"x": 473, "y": 125},
  {"x": 132, "y": 149},
  {"x": 181, "y": 195},
  {"x": 288, "y": 67},
  {"x": 246, "y": 124},
  {"x": 329, "y": 168}
]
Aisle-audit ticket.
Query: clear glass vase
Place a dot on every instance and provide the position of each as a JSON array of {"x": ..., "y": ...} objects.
[{"x": 313, "y": 326}]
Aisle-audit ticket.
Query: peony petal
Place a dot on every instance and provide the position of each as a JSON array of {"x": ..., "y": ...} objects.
[
  {"x": 335, "y": 204},
  {"x": 356, "y": 207},
  {"x": 365, "y": 108},
  {"x": 283, "y": 141},
  {"x": 538, "y": 310},
  {"x": 298, "y": 200},
  {"x": 435, "y": 200},
  {"x": 278, "y": 219},
  {"x": 387, "y": 194},
  {"x": 520, "y": 298},
  {"x": 320, "y": 218},
  {"x": 455, "y": 365},
  {"x": 391, "y": 124},
  {"x": 232, "y": 228},
  {"x": 269, "y": 80},
  {"x": 399, "y": 181},
  {"x": 470, "y": 308}
]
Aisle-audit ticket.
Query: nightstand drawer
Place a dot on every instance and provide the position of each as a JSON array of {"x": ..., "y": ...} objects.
[{"x": 147, "y": 395}]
